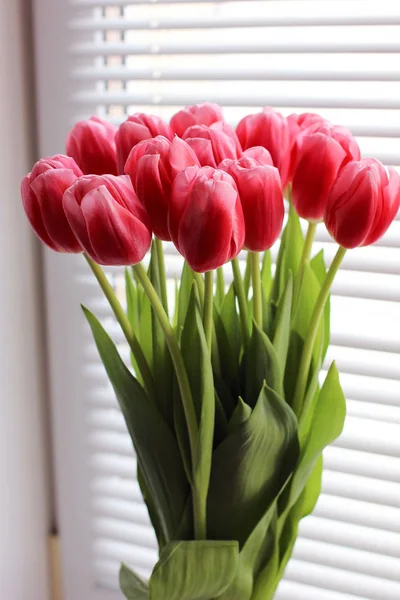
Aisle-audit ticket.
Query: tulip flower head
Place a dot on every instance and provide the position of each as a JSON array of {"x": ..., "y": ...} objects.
[
  {"x": 260, "y": 192},
  {"x": 213, "y": 144},
  {"x": 135, "y": 129},
  {"x": 363, "y": 202},
  {"x": 42, "y": 192},
  {"x": 269, "y": 129},
  {"x": 206, "y": 217},
  {"x": 108, "y": 219},
  {"x": 152, "y": 166},
  {"x": 198, "y": 114},
  {"x": 91, "y": 144},
  {"x": 322, "y": 150}
]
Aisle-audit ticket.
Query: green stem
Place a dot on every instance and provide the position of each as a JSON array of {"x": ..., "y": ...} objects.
[
  {"x": 184, "y": 386},
  {"x": 257, "y": 293},
  {"x": 220, "y": 293},
  {"x": 305, "y": 258},
  {"x": 306, "y": 356},
  {"x": 125, "y": 326},
  {"x": 242, "y": 300},
  {"x": 208, "y": 307},
  {"x": 200, "y": 285},
  {"x": 161, "y": 270}
]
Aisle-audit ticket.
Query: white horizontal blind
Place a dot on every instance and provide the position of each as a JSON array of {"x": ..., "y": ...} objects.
[{"x": 338, "y": 57}]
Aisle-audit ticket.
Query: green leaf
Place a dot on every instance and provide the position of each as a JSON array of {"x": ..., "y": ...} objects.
[
  {"x": 282, "y": 324},
  {"x": 266, "y": 273},
  {"x": 241, "y": 413},
  {"x": 151, "y": 508},
  {"x": 319, "y": 268},
  {"x": 247, "y": 275},
  {"x": 185, "y": 288},
  {"x": 132, "y": 302},
  {"x": 266, "y": 582},
  {"x": 199, "y": 370},
  {"x": 250, "y": 467},
  {"x": 261, "y": 364},
  {"x": 327, "y": 424},
  {"x": 220, "y": 288},
  {"x": 132, "y": 586},
  {"x": 162, "y": 362},
  {"x": 155, "y": 445},
  {"x": 227, "y": 327},
  {"x": 195, "y": 570},
  {"x": 309, "y": 293},
  {"x": 144, "y": 332}
]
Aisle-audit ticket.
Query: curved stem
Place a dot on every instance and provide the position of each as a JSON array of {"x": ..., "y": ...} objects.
[
  {"x": 305, "y": 258},
  {"x": 161, "y": 271},
  {"x": 208, "y": 306},
  {"x": 242, "y": 300},
  {"x": 306, "y": 356},
  {"x": 184, "y": 386},
  {"x": 125, "y": 326},
  {"x": 257, "y": 293}
]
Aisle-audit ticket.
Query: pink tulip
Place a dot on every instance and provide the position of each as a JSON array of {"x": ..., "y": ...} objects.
[
  {"x": 206, "y": 217},
  {"x": 269, "y": 129},
  {"x": 212, "y": 144},
  {"x": 198, "y": 114},
  {"x": 363, "y": 202},
  {"x": 108, "y": 219},
  {"x": 91, "y": 144},
  {"x": 260, "y": 192},
  {"x": 42, "y": 191},
  {"x": 135, "y": 129},
  {"x": 322, "y": 150},
  {"x": 152, "y": 166},
  {"x": 298, "y": 123}
]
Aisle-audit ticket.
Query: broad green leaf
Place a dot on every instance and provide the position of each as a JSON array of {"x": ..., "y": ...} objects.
[
  {"x": 227, "y": 328},
  {"x": 250, "y": 467},
  {"x": 199, "y": 371},
  {"x": 261, "y": 364},
  {"x": 266, "y": 581},
  {"x": 227, "y": 399},
  {"x": 267, "y": 313},
  {"x": 162, "y": 363},
  {"x": 318, "y": 266},
  {"x": 295, "y": 349},
  {"x": 290, "y": 250},
  {"x": 185, "y": 288},
  {"x": 221, "y": 423},
  {"x": 155, "y": 445},
  {"x": 266, "y": 273},
  {"x": 241, "y": 413},
  {"x": 151, "y": 509},
  {"x": 282, "y": 323},
  {"x": 327, "y": 424},
  {"x": 220, "y": 288},
  {"x": 132, "y": 586},
  {"x": 303, "y": 507},
  {"x": 195, "y": 570}
]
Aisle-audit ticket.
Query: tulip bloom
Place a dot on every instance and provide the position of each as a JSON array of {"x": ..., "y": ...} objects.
[
  {"x": 256, "y": 156},
  {"x": 213, "y": 144},
  {"x": 297, "y": 125},
  {"x": 91, "y": 144},
  {"x": 42, "y": 191},
  {"x": 108, "y": 219},
  {"x": 362, "y": 203},
  {"x": 206, "y": 217},
  {"x": 198, "y": 114},
  {"x": 269, "y": 129},
  {"x": 322, "y": 150},
  {"x": 135, "y": 129},
  {"x": 260, "y": 192},
  {"x": 152, "y": 166}
]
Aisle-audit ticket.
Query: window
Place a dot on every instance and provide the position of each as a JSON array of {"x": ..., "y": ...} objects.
[{"x": 339, "y": 58}]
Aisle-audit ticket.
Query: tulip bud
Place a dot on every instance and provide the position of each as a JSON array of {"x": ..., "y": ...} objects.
[
  {"x": 198, "y": 114},
  {"x": 206, "y": 217},
  {"x": 212, "y": 144},
  {"x": 297, "y": 125},
  {"x": 108, "y": 219},
  {"x": 322, "y": 150},
  {"x": 91, "y": 144},
  {"x": 152, "y": 166},
  {"x": 135, "y": 129},
  {"x": 269, "y": 129},
  {"x": 42, "y": 191},
  {"x": 260, "y": 192},
  {"x": 362, "y": 203},
  {"x": 257, "y": 155}
]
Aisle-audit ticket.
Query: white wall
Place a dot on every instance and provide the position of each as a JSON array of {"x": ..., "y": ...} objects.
[{"x": 24, "y": 505}]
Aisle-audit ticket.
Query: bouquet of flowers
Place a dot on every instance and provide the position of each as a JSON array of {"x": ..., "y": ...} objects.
[{"x": 223, "y": 399}]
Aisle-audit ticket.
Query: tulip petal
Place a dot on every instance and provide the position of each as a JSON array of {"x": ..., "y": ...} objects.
[
  {"x": 34, "y": 215},
  {"x": 204, "y": 151},
  {"x": 390, "y": 207}
]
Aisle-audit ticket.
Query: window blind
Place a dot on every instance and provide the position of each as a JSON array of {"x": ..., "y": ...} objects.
[{"x": 340, "y": 58}]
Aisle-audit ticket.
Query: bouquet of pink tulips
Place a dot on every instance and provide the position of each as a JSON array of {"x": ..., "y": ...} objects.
[{"x": 223, "y": 399}]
